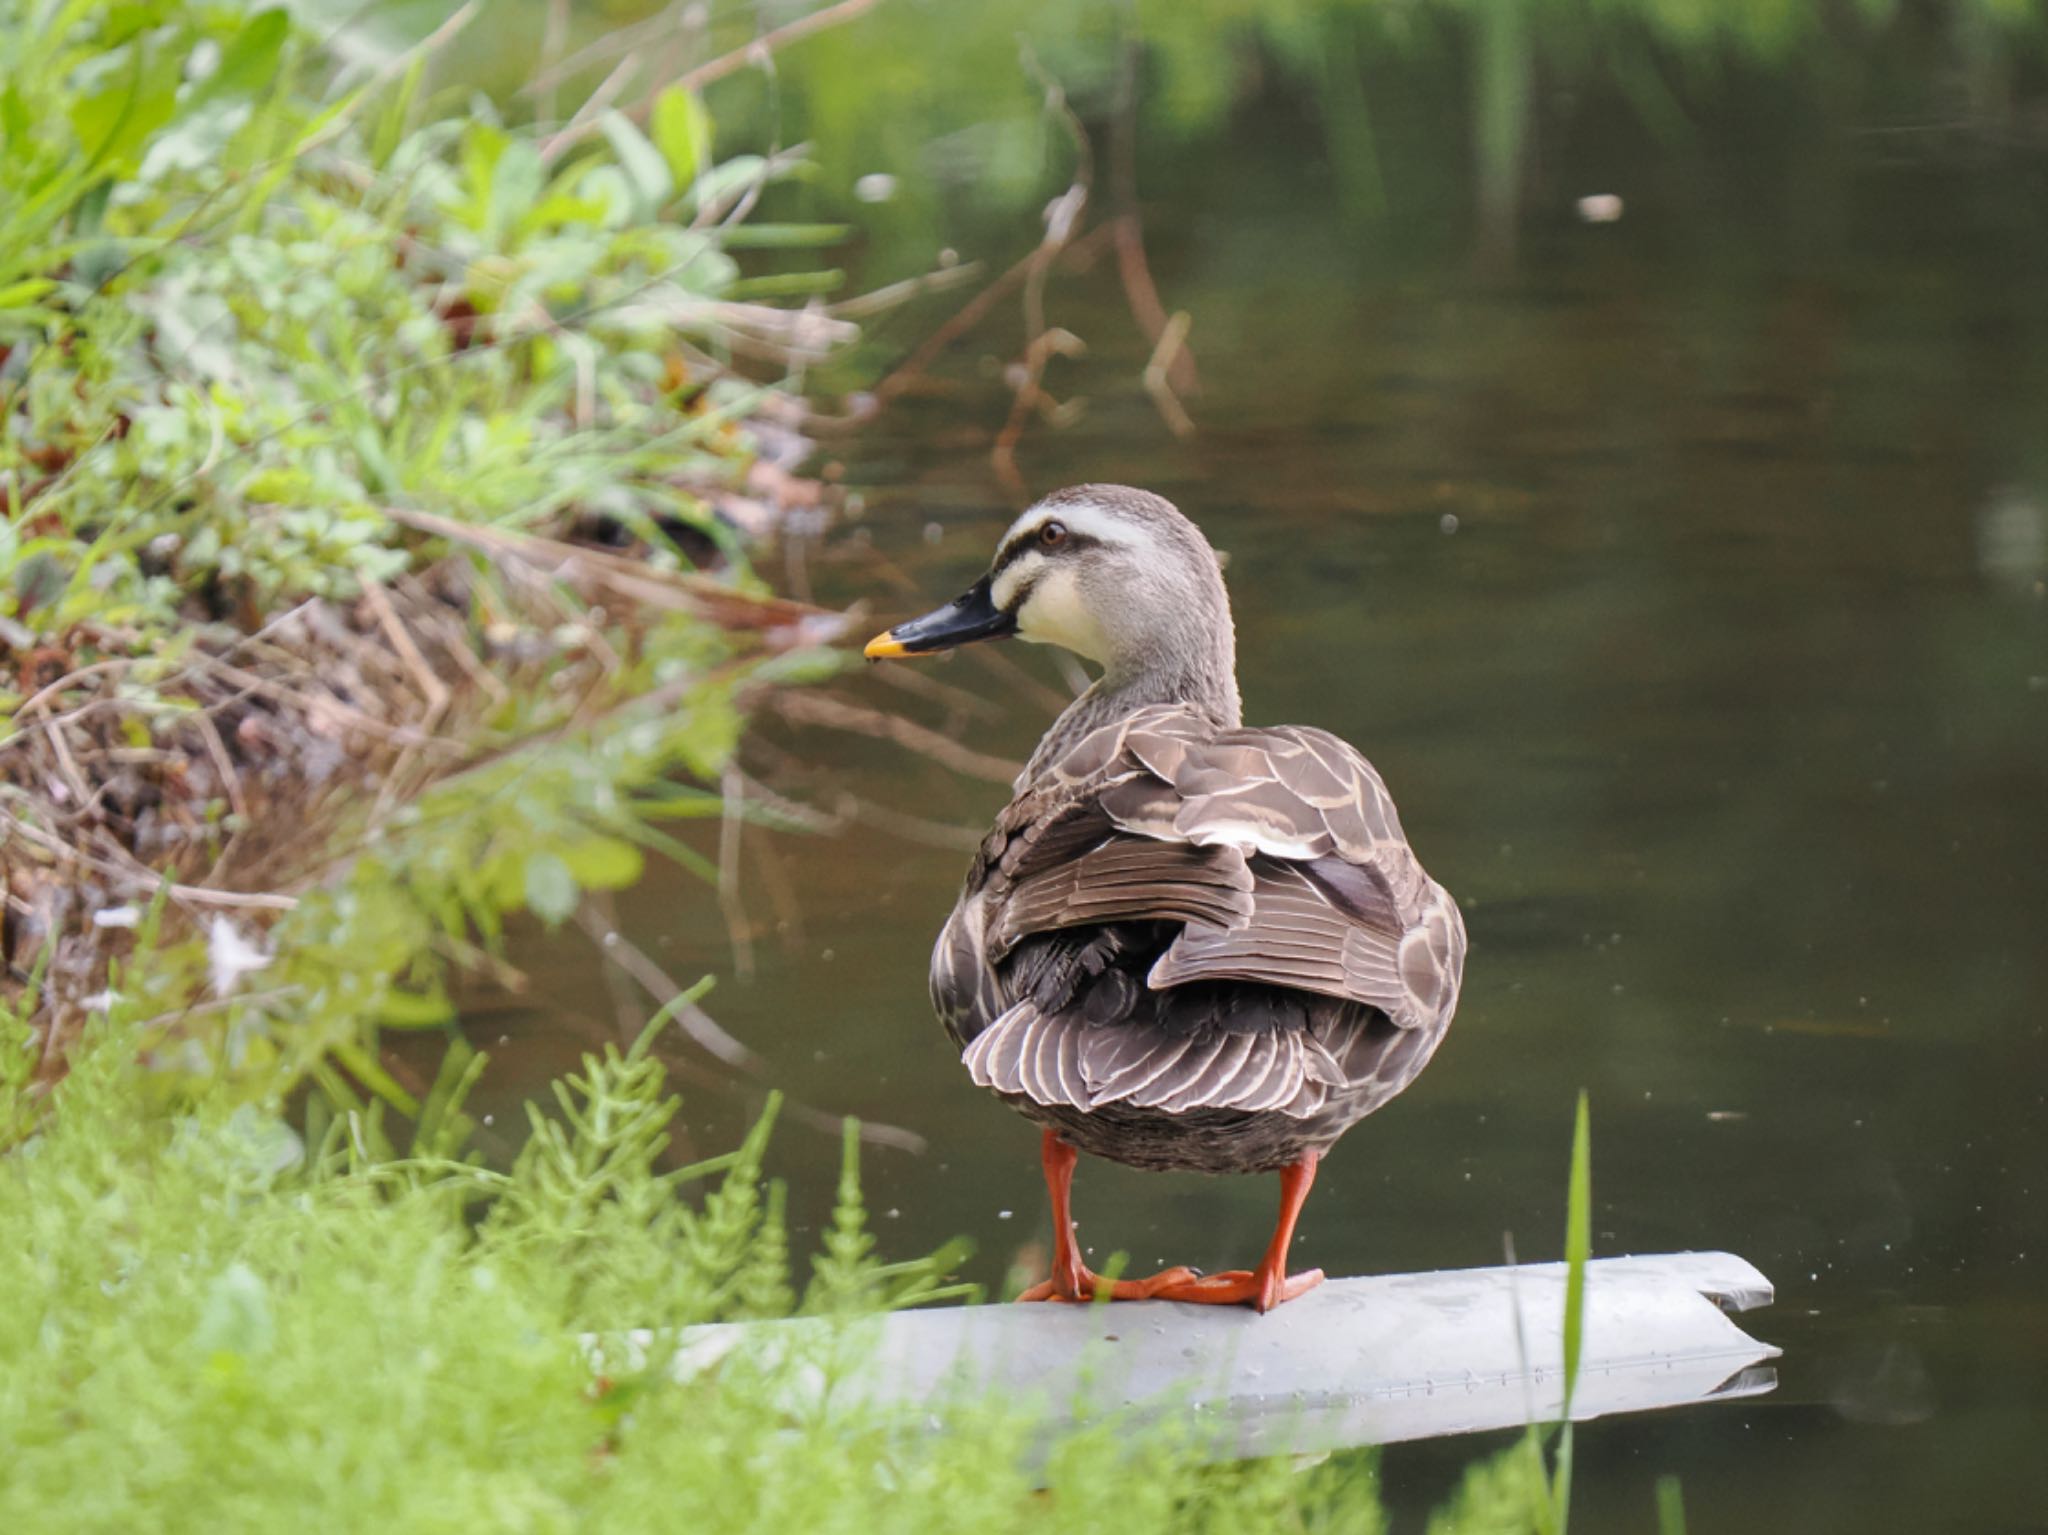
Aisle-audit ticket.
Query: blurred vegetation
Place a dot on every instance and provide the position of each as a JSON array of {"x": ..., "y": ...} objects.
[
  {"x": 239, "y": 301},
  {"x": 375, "y": 1340},
  {"x": 1429, "y": 113},
  {"x": 1417, "y": 103}
]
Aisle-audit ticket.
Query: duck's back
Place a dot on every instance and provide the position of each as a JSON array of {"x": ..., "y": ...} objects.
[{"x": 1187, "y": 946}]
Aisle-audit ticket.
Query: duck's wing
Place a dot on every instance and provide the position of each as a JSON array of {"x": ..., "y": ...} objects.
[
  {"x": 1341, "y": 906},
  {"x": 1077, "y": 848},
  {"x": 1279, "y": 857},
  {"x": 1279, "y": 851}
]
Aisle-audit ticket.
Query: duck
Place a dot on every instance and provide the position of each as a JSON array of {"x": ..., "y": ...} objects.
[{"x": 1186, "y": 944}]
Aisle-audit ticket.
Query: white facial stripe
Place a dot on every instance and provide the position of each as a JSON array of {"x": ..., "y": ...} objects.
[
  {"x": 1017, "y": 575},
  {"x": 1082, "y": 517}
]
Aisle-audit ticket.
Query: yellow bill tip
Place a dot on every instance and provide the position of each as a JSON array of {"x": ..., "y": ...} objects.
[{"x": 885, "y": 645}]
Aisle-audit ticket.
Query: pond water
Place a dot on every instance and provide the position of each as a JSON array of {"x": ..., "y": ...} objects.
[{"x": 1686, "y": 584}]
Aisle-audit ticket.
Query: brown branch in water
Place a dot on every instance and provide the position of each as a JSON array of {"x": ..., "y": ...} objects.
[
  {"x": 836, "y": 714},
  {"x": 705, "y": 1031},
  {"x": 891, "y": 295},
  {"x": 789, "y": 912},
  {"x": 1140, "y": 292},
  {"x": 702, "y": 1028},
  {"x": 1170, "y": 372},
  {"x": 1159, "y": 375},
  {"x": 739, "y": 927},
  {"x": 849, "y": 809},
  {"x": 958, "y": 702},
  {"x": 1043, "y": 342},
  {"x": 1030, "y": 400},
  {"x": 792, "y": 812},
  {"x": 969, "y": 315},
  {"x": 946, "y": 835},
  {"x": 1017, "y": 679}
]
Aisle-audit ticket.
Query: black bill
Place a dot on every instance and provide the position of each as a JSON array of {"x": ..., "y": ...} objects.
[{"x": 973, "y": 615}]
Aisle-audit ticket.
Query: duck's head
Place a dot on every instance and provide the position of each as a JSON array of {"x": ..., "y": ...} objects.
[{"x": 1116, "y": 575}]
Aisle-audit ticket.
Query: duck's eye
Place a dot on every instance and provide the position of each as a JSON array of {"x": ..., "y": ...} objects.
[{"x": 1053, "y": 534}]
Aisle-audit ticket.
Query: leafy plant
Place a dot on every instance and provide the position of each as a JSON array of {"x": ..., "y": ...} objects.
[
  {"x": 223, "y": 1322},
  {"x": 285, "y": 340},
  {"x": 237, "y": 326}
]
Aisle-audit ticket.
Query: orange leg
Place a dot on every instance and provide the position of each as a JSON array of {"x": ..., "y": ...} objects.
[
  {"x": 1072, "y": 1279},
  {"x": 1269, "y": 1284},
  {"x": 1263, "y": 1288}
]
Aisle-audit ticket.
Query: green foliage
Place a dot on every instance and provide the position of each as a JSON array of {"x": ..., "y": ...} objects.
[
  {"x": 221, "y": 1324},
  {"x": 1507, "y": 1494},
  {"x": 239, "y": 318},
  {"x": 1578, "y": 1244},
  {"x": 244, "y": 319},
  {"x": 1578, "y": 1250},
  {"x": 218, "y": 1325},
  {"x": 846, "y": 1280}
]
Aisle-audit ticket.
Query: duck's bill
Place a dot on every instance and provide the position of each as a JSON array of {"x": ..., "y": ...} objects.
[{"x": 973, "y": 615}]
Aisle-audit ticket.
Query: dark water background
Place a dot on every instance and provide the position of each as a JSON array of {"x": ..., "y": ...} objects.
[{"x": 1685, "y": 579}]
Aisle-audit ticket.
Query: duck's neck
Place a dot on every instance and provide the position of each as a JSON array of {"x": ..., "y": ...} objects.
[{"x": 1207, "y": 683}]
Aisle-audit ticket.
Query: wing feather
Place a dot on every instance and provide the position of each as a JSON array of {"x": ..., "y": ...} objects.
[
  {"x": 1127, "y": 879},
  {"x": 1218, "y": 1074},
  {"x": 1277, "y": 854}
]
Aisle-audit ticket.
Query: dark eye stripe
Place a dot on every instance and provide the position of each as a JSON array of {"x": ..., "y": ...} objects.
[{"x": 1028, "y": 539}]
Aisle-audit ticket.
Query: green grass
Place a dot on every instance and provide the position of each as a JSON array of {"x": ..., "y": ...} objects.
[
  {"x": 223, "y": 1323},
  {"x": 220, "y": 1325}
]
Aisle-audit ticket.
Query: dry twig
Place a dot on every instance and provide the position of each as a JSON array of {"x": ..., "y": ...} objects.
[{"x": 813, "y": 708}]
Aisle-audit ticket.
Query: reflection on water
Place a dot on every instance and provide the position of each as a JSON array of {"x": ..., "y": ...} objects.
[{"x": 1687, "y": 588}]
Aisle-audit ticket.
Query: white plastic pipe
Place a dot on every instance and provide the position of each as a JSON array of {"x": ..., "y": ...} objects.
[{"x": 1355, "y": 1361}]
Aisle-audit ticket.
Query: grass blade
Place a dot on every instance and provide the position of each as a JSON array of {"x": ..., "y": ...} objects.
[
  {"x": 1670, "y": 1507},
  {"x": 1578, "y": 1245}
]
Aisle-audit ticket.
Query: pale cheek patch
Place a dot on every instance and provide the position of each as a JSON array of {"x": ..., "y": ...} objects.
[
  {"x": 1017, "y": 575},
  {"x": 1054, "y": 614}
]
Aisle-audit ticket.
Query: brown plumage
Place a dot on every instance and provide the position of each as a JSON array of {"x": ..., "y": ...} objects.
[{"x": 1185, "y": 943}]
